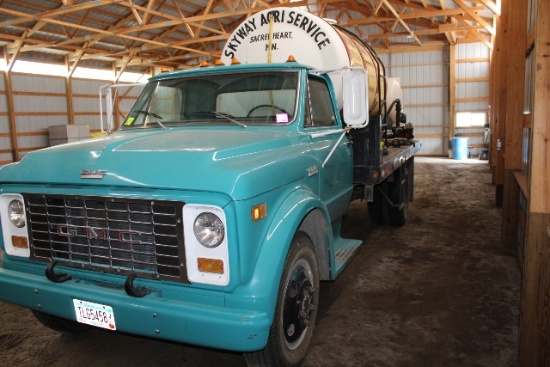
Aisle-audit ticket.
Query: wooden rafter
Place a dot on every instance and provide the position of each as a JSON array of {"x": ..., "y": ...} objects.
[
  {"x": 401, "y": 21},
  {"x": 168, "y": 32}
]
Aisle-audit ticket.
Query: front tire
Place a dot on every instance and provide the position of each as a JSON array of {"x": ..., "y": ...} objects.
[
  {"x": 58, "y": 324},
  {"x": 296, "y": 310}
]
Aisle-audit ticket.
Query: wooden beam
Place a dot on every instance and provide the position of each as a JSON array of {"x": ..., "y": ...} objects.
[
  {"x": 517, "y": 33},
  {"x": 439, "y": 13},
  {"x": 69, "y": 92},
  {"x": 534, "y": 343},
  {"x": 422, "y": 32},
  {"x": 475, "y": 33},
  {"x": 401, "y": 21},
  {"x": 513, "y": 153},
  {"x": 540, "y": 167},
  {"x": 491, "y": 6},
  {"x": 500, "y": 108},
  {"x": 11, "y": 112},
  {"x": 473, "y": 80},
  {"x": 397, "y": 49},
  {"x": 452, "y": 90},
  {"x": 475, "y": 16}
]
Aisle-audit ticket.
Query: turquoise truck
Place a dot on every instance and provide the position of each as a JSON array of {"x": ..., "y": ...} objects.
[{"x": 211, "y": 215}]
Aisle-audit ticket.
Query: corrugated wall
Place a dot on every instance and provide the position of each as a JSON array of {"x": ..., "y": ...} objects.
[
  {"x": 43, "y": 101},
  {"x": 38, "y": 102},
  {"x": 5, "y": 143},
  {"x": 472, "y": 89},
  {"x": 424, "y": 78}
]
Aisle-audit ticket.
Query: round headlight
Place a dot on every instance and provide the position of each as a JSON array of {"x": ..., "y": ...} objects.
[
  {"x": 209, "y": 230},
  {"x": 16, "y": 212}
]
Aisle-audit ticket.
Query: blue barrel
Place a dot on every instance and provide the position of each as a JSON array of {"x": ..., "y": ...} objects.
[{"x": 459, "y": 146}]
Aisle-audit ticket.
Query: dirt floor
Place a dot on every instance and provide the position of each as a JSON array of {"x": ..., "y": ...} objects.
[{"x": 436, "y": 292}]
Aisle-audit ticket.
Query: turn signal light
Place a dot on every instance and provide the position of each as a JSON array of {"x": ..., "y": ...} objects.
[
  {"x": 291, "y": 58},
  {"x": 19, "y": 242},
  {"x": 235, "y": 61},
  {"x": 210, "y": 265},
  {"x": 203, "y": 64},
  {"x": 219, "y": 62},
  {"x": 259, "y": 212}
]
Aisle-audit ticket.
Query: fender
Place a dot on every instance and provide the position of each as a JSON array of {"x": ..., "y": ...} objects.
[{"x": 261, "y": 291}]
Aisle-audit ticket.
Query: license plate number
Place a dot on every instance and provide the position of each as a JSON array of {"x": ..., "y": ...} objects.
[{"x": 94, "y": 314}]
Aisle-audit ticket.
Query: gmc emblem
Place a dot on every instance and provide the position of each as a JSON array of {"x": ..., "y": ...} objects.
[{"x": 98, "y": 234}]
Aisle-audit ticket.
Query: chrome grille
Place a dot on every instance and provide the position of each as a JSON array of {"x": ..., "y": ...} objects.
[{"x": 114, "y": 235}]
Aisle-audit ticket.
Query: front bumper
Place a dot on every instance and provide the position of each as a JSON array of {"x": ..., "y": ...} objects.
[{"x": 188, "y": 317}]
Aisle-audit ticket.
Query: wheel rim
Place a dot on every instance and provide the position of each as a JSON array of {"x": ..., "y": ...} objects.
[{"x": 298, "y": 304}]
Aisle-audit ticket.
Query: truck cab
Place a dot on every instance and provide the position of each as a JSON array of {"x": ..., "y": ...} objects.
[{"x": 209, "y": 217}]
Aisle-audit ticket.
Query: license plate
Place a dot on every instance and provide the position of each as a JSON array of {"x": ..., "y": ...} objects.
[{"x": 94, "y": 314}]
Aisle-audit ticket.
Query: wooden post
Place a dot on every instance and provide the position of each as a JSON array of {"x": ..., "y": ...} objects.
[
  {"x": 535, "y": 299},
  {"x": 69, "y": 92},
  {"x": 452, "y": 91},
  {"x": 499, "y": 135},
  {"x": 515, "y": 86},
  {"x": 11, "y": 111}
]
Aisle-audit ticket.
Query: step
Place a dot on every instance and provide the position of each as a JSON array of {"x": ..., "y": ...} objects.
[{"x": 344, "y": 250}]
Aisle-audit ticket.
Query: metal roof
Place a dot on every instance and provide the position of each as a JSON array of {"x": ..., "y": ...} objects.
[{"x": 139, "y": 34}]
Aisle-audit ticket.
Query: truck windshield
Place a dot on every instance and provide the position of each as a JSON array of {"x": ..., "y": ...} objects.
[{"x": 240, "y": 98}]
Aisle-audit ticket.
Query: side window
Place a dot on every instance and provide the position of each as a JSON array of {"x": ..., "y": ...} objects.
[{"x": 319, "y": 110}]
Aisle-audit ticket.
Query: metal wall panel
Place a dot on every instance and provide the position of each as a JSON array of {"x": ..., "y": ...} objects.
[
  {"x": 5, "y": 142},
  {"x": 44, "y": 104},
  {"x": 472, "y": 96},
  {"x": 472, "y": 90},
  {"x": 424, "y": 78},
  {"x": 37, "y": 83},
  {"x": 85, "y": 86},
  {"x": 472, "y": 51},
  {"x": 4, "y": 127},
  {"x": 39, "y": 124},
  {"x": 38, "y": 141}
]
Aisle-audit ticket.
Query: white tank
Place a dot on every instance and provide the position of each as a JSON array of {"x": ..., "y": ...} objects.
[
  {"x": 312, "y": 41},
  {"x": 393, "y": 92}
]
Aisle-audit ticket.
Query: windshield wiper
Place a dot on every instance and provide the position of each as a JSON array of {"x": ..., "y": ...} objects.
[
  {"x": 219, "y": 114},
  {"x": 149, "y": 114},
  {"x": 153, "y": 115},
  {"x": 229, "y": 117}
]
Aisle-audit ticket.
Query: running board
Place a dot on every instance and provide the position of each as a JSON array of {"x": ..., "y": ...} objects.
[{"x": 344, "y": 250}]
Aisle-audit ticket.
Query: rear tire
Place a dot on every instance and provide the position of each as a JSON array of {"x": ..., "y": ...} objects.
[
  {"x": 379, "y": 208},
  {"x": 59, "y": 324},
  {"x": 399, "y": 193},
  {"x": 296, "y": 311}
]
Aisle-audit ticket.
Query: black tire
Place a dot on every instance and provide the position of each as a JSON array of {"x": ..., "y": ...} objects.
[
  {"x": 296, "y": 310},
  {"x": 398, "y": 217},
  {"x": 58, "y": 324},
  {"x": 398, "y": 192},
  {"x": 379, "y": 208}
]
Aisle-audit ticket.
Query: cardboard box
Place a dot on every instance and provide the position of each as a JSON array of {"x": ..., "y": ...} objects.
[{"x": 61, "y": 134}]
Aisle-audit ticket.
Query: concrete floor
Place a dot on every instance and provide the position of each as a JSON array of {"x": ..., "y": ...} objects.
[{"x": 436, "y": 292}]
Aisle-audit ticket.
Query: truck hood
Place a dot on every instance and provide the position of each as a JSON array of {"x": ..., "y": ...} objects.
[{"x": 237, "y": 162}]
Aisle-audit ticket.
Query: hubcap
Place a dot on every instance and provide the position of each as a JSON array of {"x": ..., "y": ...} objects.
[{"x": 298, "y": 304}]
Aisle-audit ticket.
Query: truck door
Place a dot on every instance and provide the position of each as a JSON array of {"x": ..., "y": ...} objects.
[{"x": 335, "y": 178}]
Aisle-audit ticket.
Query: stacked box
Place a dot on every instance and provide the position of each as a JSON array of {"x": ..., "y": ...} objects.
[{"x": 61, "y": 134}]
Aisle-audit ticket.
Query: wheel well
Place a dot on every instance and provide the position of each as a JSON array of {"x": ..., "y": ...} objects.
[{"x": 315, "y": 226}]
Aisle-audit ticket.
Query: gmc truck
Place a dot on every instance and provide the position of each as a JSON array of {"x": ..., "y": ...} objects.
[{"x": 211, "y": 215}]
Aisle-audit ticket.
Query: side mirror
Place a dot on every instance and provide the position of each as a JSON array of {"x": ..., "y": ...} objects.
[{"x": 356, "y": 97}]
